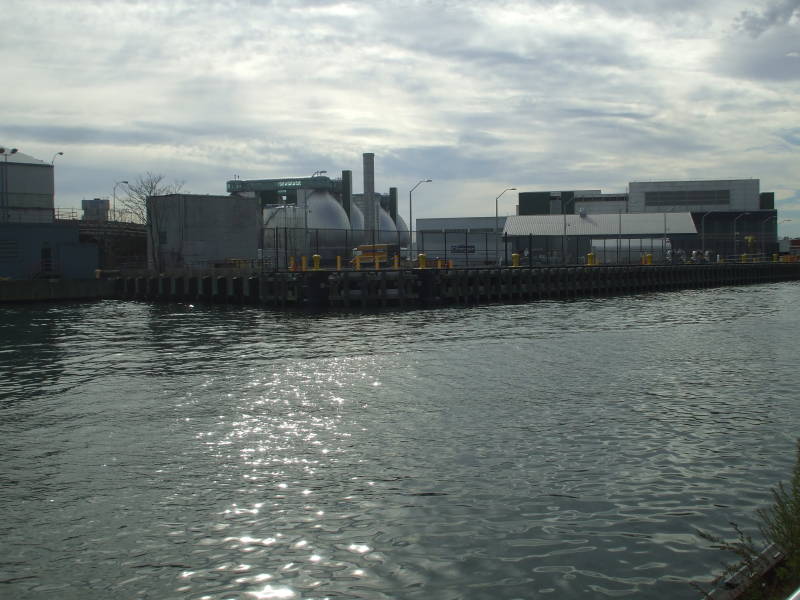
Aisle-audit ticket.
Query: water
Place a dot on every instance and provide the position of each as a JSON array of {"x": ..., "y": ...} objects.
[{"x": 547, "y": 450}]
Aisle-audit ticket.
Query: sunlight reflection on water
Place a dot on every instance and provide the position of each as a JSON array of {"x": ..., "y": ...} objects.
[{"x": 553, "y": 449}]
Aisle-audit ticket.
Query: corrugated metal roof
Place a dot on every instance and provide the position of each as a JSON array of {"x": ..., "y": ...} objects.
[{"x": 601, "y": 224}]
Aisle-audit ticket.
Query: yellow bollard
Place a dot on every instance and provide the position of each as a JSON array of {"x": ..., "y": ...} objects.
[
  {"x": 315, "y": 260},
  {"x": 515, "y": 259},
  {"x": 774, "y": 258},
  {"x": 590, "y": 259},
  {"x": 292, "y": 265},
  {"x": 357, "y": 263},
  {"x": 303, "y": 263},
  {"x": 377, "y": 263},
  {"x": 338, "y": 263},
  {"x": 396, "y": 262},
  {"x": 422, "y": 261},
  {"x": 648, "y": 259}
]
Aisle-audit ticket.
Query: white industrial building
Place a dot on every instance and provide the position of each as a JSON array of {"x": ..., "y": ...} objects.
[{"x": 26, "y": 188}]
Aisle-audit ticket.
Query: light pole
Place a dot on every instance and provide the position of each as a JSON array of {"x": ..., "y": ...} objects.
[
  {"x": 114, "y": 206},
  {"x": 410, "y": 221},
  {"x": 315, "y": 173},
  {"x": 53, "y": 160},
  {"x": 497, "y": 221},
  {"x": 5, "y": 152},
  {"x": 764, "y": 222},
  {"x": 735, "y": 240},
  {"x": 703, "y": 231}
]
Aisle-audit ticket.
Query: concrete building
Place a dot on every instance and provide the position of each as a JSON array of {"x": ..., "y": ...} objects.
[
  {"x": 194, "y": 231},
  {"x": 729, "y": 195},
  {"x": 26, "y": 188},
  {"x": 45, "y": 250}
]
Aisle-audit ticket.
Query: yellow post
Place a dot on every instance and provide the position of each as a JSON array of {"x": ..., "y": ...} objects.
[
  {"x": 377, "y": 263},
  {"x": 422, "y": 261},
  {"x": 357, "y": 263},
  {"x": 338, "y": 263},
  {"x": 439, "y": 263},
  {"x": 292, "y": 265},
  {"x": 590, "y": 259},
  {"x": 304, "y": 263},
  {"x": 515, "y": 259},
  {"x": 396, "y": 262},
  {"x": 774, "y": 258},
  {"x": 315, "y": 260},
  {"x": 648, "y": 259}
]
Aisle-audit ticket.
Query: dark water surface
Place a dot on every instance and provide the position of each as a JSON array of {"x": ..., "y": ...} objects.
[{"x": 547, "y": 450}]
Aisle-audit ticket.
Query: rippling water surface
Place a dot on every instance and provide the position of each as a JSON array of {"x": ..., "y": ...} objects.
[{"x": 547, "y": 450}]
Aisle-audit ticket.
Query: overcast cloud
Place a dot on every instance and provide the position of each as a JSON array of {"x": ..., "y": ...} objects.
[{"x": 477, "y": 95}]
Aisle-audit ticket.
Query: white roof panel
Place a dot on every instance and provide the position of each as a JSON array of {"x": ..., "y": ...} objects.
[{"x": 601, "y": 224}]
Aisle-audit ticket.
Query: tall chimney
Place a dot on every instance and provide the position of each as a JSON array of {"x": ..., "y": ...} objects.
[{"x": 370, "y": 210}]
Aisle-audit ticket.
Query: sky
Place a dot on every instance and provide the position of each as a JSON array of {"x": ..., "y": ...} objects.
[{"x": 478, "y": 96}]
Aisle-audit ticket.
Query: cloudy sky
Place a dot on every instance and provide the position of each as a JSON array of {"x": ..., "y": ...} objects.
[{"x": 476, "y": 95}]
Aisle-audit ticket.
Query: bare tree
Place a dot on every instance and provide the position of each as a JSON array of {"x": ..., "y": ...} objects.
[
  {"x": 144, "y": 211},
  {"x": 149, "y": 184}
]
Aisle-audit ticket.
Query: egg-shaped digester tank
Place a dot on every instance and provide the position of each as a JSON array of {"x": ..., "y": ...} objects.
[
  {"x": 317, "y": 224},
  {"x": 402, "y": 229},
  {"x": 356, "y": 226},
  {"x": 387, "y": 233}
]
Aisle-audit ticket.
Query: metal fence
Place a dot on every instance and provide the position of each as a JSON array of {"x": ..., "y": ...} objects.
[{"x": 285, "y": 248}]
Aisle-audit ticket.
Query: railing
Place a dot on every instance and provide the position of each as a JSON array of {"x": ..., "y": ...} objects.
[{"x": 110, "y": 216}]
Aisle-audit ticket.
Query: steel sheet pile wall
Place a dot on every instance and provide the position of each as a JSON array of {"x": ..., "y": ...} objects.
[{"x": 430, "y": 287}]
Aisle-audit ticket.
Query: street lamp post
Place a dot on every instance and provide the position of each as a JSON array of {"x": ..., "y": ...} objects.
[
  {"x": 315, "y": 173},
  {"x": 410, "y": 218},
  {"x": 497, "y": 221},
  {"x": 703, "y": 231},
  {"x": 735, "y": 234},
  {"x": 114, "y": 206},
  {"x": 764, "y": 222},
  {"x": 53, "y": 160}
]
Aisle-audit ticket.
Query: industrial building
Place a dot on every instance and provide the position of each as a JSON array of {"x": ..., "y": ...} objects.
[
  {"x": 731, "y": 216},
  {"x": 266, "y": 223},
  {"x": 271, "y": 222},
  {"x": 555, "y": 239},
  {"x": 33, "y": 244},
  {"x": 724, "y": 218},
  {"x": 26, "y": 188}
]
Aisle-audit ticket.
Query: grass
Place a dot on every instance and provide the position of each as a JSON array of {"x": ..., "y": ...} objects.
[{"x": 780, "y": 525}]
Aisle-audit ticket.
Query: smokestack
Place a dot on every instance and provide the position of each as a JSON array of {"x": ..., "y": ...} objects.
[
  {"x": 347, "y": 191},
  {"x": 370, "y": 210},
  {"x": 393, "y": 204}
]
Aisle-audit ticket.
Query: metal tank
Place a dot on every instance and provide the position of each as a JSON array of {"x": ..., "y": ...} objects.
[
  {"x": 356, "y": 226},
  {"x": 316, "y": 224}
]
